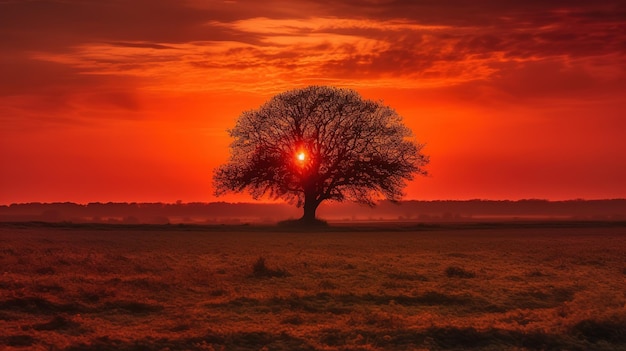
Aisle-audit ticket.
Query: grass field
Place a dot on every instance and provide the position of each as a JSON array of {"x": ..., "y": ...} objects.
[{"x": 241, "y": 288}]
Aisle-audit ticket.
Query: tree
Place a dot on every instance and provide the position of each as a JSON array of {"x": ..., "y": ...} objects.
[{"x": 320, "y": 143}]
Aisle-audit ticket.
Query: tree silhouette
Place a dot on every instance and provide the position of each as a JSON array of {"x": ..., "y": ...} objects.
[{"x": 320, "y": 143}]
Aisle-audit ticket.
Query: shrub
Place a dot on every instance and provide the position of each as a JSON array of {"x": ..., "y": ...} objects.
[{"x": 261, "y": 270}]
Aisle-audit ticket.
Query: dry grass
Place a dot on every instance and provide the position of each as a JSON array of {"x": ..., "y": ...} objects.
[{"x": 482, "y": 289}]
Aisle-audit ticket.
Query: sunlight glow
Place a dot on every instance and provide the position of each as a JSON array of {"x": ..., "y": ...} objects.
[{"x": 301, "y": 156}]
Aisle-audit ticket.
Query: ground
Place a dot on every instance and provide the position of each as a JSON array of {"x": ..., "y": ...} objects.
[{"x": 501, "y": 287}]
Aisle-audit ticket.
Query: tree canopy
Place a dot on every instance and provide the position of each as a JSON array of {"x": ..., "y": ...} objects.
[{"x": 320, "y": 143}]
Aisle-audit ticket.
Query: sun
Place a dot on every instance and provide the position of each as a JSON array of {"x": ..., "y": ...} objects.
[{"x": 301, "y": 156}]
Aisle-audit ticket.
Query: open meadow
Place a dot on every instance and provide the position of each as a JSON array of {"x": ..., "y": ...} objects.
[{"x": 495, "y": 287}]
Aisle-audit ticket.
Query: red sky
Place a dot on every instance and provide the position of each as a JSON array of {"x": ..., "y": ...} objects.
[{"x": 129, "y": 100}]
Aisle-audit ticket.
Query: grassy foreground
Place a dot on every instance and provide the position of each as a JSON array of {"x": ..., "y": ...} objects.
[{"x": 486, "y": 289}]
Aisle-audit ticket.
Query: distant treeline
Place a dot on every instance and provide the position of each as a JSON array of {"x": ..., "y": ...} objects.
[
  {"x": 453, "y": 210},
  {"x": 221, "y": 212}
]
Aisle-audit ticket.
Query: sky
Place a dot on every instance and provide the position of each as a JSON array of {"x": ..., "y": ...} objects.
[{"x": 130, "y": 100}]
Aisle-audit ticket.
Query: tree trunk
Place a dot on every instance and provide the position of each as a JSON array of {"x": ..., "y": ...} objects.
[{"x": 310, "y": 206}]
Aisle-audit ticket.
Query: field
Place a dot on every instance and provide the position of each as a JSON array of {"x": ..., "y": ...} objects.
[{"x": 497, "y": 287}]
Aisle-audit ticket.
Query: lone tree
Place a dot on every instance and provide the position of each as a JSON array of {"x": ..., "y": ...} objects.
[{"x": 320, "y": 143}]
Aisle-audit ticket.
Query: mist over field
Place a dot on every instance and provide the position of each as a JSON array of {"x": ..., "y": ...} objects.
[{"x": 233, "y": 213}]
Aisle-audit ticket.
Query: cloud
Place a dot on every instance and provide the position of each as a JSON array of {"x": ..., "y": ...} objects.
[
  {"x": 143, "y": 45},
  {"x": 423, "y": 45},
  {"x": 59, "y": 48}
]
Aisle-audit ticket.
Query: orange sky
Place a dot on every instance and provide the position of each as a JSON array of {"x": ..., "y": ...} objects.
[{"x": 129, "y": 100}]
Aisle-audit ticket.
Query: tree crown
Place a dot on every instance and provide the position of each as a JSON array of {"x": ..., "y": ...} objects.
[{"x": 320, "y": 143}]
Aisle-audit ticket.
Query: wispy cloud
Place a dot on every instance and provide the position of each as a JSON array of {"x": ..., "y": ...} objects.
[{"x": 395, "y": 43}]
